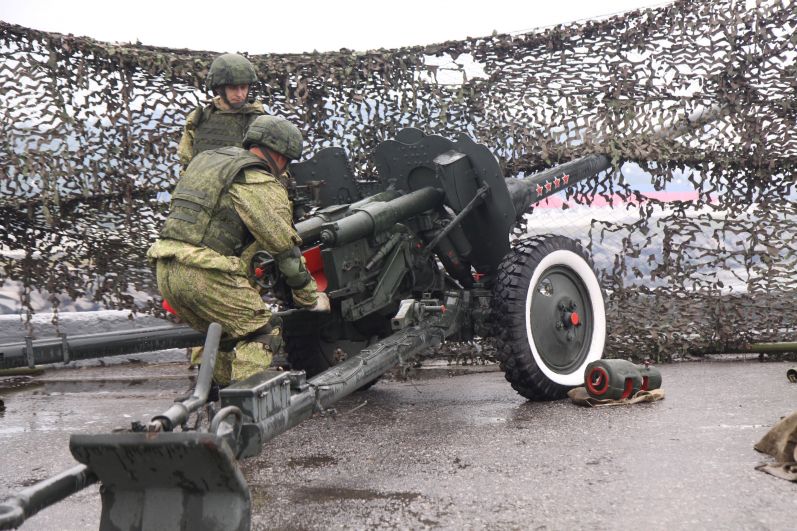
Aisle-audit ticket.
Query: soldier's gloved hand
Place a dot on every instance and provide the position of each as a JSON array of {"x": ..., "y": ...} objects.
[{"x": 321, "y": 304}]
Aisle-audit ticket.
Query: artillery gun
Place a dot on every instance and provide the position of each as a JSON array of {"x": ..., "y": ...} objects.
[
  {"x": 426, "y": 258},
  {"x": 441, "y": 228},
  {"x": 440, "y": 224}
]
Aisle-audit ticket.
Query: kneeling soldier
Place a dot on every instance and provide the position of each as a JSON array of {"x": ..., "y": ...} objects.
[{"x": 229, "y": 202}]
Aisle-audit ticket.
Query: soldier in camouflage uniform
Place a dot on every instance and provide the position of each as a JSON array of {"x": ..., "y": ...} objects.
[
  {"x": 229, "y": 202},
  {"x": 224, "y": 121}
]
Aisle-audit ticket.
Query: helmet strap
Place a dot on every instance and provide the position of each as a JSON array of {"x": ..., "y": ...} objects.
[{"x": 275, "y": 171}]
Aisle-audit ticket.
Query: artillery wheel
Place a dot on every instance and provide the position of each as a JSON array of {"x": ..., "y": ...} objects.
[{"x": 549, "y": 316}]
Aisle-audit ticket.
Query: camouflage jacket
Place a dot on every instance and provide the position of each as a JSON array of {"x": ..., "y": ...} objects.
[{"x": 263, "y": 205}]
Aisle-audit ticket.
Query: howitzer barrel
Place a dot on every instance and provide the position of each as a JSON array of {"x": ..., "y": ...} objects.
[
  {"x": 379, "y": 215},
  {"x": 89, "y": 346},
  {"x": 529, "y": 190},
  {"x": 309, "y": 229}
]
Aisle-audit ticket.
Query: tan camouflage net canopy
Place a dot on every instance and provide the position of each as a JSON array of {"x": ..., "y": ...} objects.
[{"x": 705, "y": 262}]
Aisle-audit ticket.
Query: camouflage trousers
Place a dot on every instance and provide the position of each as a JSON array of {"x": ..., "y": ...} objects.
[{"x": 203, "y": 296}]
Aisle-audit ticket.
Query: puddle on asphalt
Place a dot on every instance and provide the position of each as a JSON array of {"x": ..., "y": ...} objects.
[
  {"x": 735, "y": 427},
  {"x": 333, "y": 494},
  {"x": 13, "y": 383},
  {"x": 312, "y": 461},
  {"x": 108, "y": 386},
  {"x": 9, "y": 394},
  {"x": 11, "y": 430},
  {"x": 263, "y": 496}
]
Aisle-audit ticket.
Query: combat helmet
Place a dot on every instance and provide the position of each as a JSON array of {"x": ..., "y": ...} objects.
[
  {"x": 275, "y": 133},
  {"x": 230, "y": 69}
]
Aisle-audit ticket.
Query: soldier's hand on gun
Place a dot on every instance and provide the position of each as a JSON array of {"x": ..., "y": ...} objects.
[{"x": 321, "y": 304}]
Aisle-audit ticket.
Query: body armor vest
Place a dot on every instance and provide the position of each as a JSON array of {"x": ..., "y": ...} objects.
[
  {"x": 202, "y": 212},
  {"x": 217, "y": 129}
]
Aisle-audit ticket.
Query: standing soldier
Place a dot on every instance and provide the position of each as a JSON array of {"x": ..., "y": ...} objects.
[
  {"x": 228, "y": 199},
  {"x": 224, "y": 121}
]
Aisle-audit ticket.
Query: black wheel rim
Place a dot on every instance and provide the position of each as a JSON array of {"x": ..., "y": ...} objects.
[{"x": 561, "y": 319}]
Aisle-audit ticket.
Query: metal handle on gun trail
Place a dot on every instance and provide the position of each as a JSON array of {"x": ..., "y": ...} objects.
[
  {"x": 29, "y": 501},
  {"x": 179, "y": 412}
]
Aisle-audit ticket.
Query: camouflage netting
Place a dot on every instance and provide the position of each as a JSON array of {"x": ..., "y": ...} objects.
[{"x": 90, "y": 131}]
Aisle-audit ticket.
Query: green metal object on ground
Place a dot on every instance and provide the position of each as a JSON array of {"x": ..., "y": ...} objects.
[
  {"x": 194, "y": 471},
  {"x": 651, "y": 377},
  {"x": 187, "y": 469},
  {"x": 620, "y": 379},
  {"x": 782, "y": 346},
  {"x": 612, "y": 379}
]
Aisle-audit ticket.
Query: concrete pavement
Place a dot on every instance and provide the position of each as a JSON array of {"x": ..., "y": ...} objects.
[{"x": 447, "y": 452}]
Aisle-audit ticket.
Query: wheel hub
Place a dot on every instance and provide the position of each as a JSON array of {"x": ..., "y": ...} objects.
[
  {"x": 560, "y": 317},
  {"x": 570, "y": 316},
  {"x": 573, "y": 319}
]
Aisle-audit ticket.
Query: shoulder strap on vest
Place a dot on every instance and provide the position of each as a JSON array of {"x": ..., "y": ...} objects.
[
  {"x": 239, "y": 162},
  {"x": 203, "y": 113}
]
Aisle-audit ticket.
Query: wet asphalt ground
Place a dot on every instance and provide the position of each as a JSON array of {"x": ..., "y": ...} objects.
[{"x": 446, "y": 451}]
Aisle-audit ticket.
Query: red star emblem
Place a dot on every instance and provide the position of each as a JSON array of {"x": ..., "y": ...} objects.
[
  {"x": 539, "y": 190},
  {"x": 557, "y": 182},
  {"x": 565, "y": 179},
  {"x": 548, "y": 186}
]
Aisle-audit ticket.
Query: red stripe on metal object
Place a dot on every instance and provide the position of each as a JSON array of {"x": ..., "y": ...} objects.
[
  {"x": 618, "y": 200},
  {"x": 597, "y": 381},
  {"x": 315, "y": 265},
  {"x": 629, "y": 388}
]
